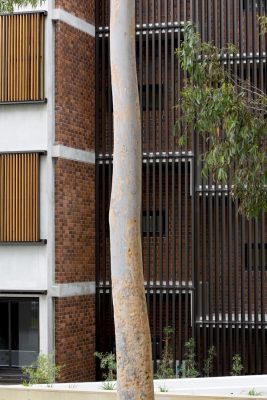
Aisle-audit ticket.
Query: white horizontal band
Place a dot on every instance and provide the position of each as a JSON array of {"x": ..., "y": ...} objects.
[
  {"x": 72, "y": 289},
  {"x": 69, "y": 153},
  {"x": 75, "y": 22}
]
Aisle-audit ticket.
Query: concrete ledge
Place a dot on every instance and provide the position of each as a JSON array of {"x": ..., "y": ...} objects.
[
  {"x": 11, "y": 393},
  {"x": 72, "y": 290},
  {"x": 69, "y": 153},
  {"x": 219, "y": 388},
  {"x": 8, "y": 393},
  {"x": 73, "y": 21}
]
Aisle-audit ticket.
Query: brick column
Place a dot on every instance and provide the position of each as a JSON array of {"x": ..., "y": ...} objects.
[{"x": 75, "y": 191}]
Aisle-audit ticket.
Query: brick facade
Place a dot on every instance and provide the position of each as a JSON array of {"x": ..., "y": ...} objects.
[
  {"x": 75, "y": 221},
  {"x": 84, "y": 9},
  {"x": 75, "y": 193},
  {"x": 75, "y": 338},
  {"x": 75, "y": 88}
]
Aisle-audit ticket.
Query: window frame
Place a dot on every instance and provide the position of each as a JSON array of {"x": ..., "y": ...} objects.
[
  {"x": 9, "y": 301},
  {"x": 4, "y": 220}
]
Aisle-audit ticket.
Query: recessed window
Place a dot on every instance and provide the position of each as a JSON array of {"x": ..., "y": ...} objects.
[
  {"x": 19, "y": 197},
  {"x": 19, "y": 332},
  {"x": 251, "y": 256},
  {"x": 153, "y": 223},
  {"x": 22, "y": 57}
]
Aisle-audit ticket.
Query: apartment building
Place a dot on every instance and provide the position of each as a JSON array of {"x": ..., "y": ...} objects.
[{"x": 204, "y": 264}]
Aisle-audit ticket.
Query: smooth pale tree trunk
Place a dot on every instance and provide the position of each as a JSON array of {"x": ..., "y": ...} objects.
[{"x": 133, "y": 341}]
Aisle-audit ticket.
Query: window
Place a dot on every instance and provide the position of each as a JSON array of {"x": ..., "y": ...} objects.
[
  {"x": 251, "y": 255},
  {"x": 22, "y": 57},
  {"x": 19, "y": 197},
  {"x": 19, "y": 332},
  {"x": 151, "y": 223}
]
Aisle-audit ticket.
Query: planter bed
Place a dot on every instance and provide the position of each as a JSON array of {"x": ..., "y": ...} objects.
[{"x": 200, "y": 388}]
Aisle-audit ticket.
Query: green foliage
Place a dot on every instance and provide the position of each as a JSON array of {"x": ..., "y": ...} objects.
[
  {"x": 109, "y": 368},
  {"x": 108, "y": 385},
  {"x": 165, "y": 371},
  {"x": 253, "y": 392},
  {"x": 237, "y": 366},
  {"x": 230, "y": 114},
  {"x": 163, "y": 389},
  {"x": 263, "y": 24},
  {"x": 188, "y": 369},
  {"x": 42, "y": 371},
  {"x": 8, "y": 5},
  {"x": 208, "y": 363}
]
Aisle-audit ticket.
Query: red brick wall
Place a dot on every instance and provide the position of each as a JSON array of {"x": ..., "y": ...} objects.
[
  {"x": 75, "y": 88},
  {"x": 75, "y": 193},
  {"x": 75, "y": 338},
  {"x": 84, "y": 9},
  {"x": 75, "y": 221}
]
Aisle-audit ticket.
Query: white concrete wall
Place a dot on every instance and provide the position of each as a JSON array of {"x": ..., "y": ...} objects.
[
  {"x": 23, "y": 127},
  {"x": 23, "y": 268}
]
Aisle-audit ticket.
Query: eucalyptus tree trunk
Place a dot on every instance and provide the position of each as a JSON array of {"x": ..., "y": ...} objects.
[{"x": 133, "y": 341}]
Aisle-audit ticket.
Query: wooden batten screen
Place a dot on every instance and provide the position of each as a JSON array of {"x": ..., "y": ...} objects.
[
  {"x": 22, "y": 57},
  {"x": 19, "y": 197}
]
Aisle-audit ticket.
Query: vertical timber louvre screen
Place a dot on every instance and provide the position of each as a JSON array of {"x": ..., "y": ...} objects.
[
  {"x": 167, "y": 209},
  {"x": 230, "y": 268},
  {"x": 22, "y": 57},
  {"x": 205, "y": 265},
  {"x": 19, "y": 197}
]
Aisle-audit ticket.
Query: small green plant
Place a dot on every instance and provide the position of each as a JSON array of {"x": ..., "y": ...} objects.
[
  {"x": 42, "y": 371},
  {"x": 237, "y": 366},
  {"x": 165, "y": 370},
  {"x": 188, "y": 369},
  {"x": 109, "y": 368},
  {"x": 253, "y": 392},
  {"x": 108, "y": 385},
  {"x": 163, "y": 389},
  {"x": 208, "y": 363}
]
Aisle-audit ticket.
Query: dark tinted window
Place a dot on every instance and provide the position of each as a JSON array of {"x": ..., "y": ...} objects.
[{"x": 19, "y": 332}]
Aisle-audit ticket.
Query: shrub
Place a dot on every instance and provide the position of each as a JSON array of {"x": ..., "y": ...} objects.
[
  {"x": 237, "y": 366},
  {"x": 108, "y": 367},
  {"x": 165, "y": 370},
  {"x": 42, "y": 371},
  {"x": 188, "y": 369},
  {"x": 208, "y": 363}
]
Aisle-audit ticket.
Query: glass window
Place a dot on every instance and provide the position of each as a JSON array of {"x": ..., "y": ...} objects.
[{"x": 19, "y": 333}]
